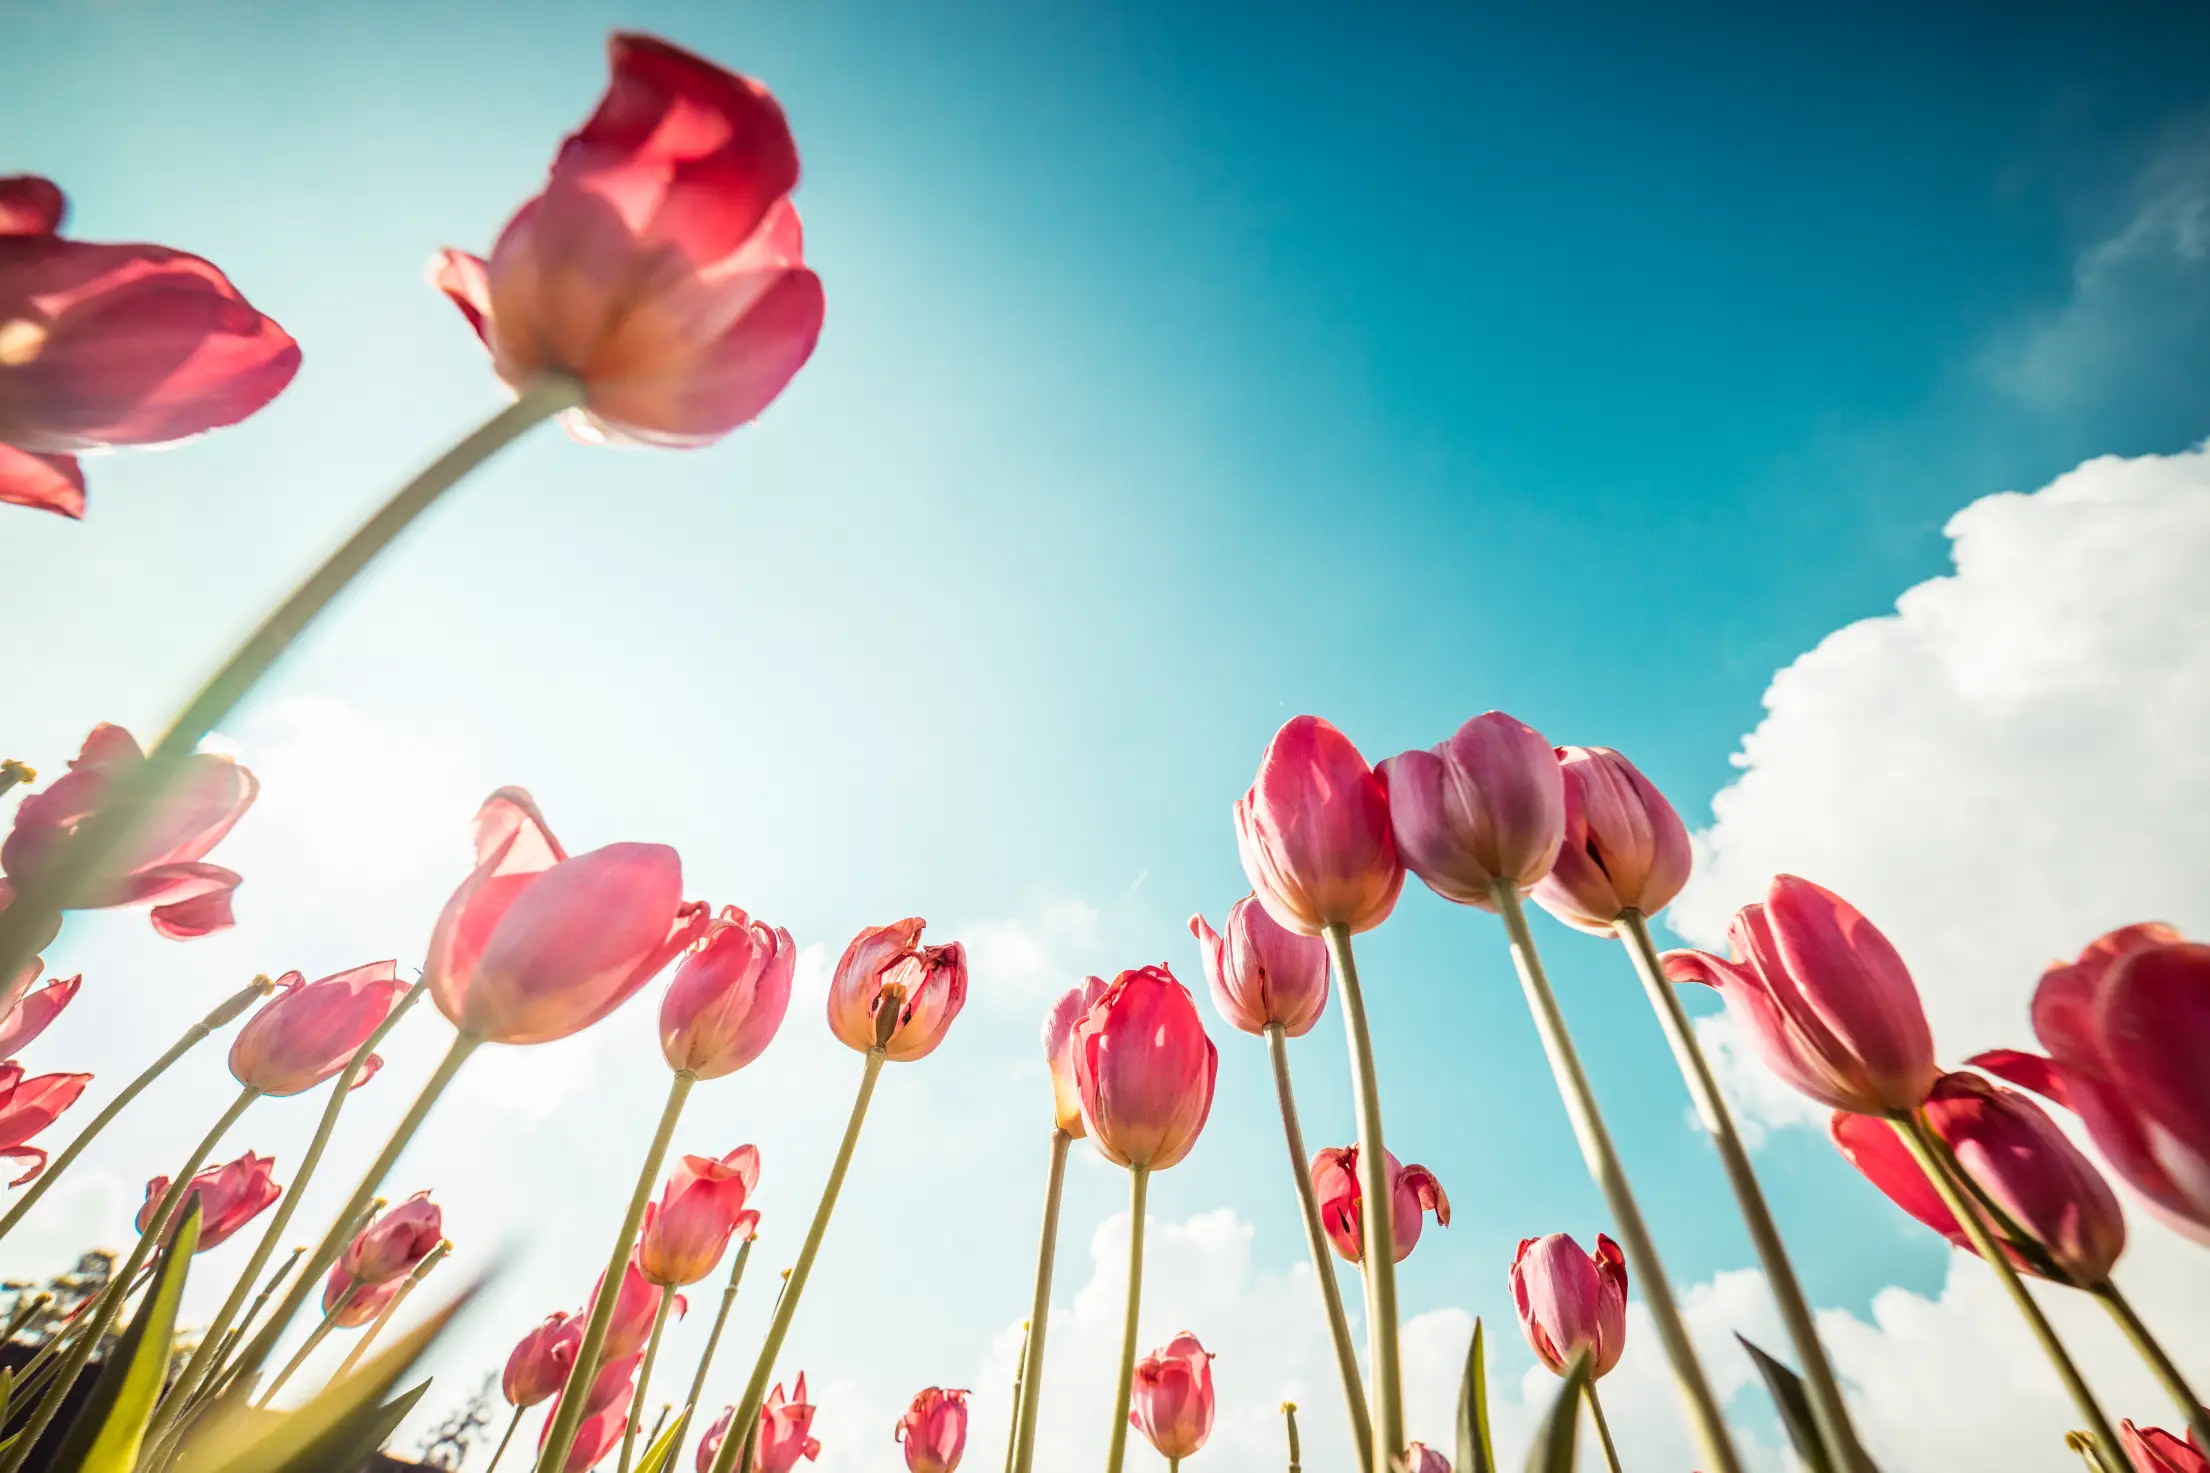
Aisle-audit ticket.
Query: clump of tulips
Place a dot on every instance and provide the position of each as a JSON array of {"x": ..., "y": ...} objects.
[{"x": 655, "y": 291}]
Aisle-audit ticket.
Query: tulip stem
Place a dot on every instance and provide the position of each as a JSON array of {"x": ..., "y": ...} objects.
[
  {"x": 505, "y": 1438},
  {"x": 1921, "y": 1143},
  {"x": 575, "y": 1395},
  {"x": 1827, "y": 1409},
  {"x": 1020, "y": 1379},
  {"x": 721, "y": 1318},
  {"x": 315, "y": 1337},
  {"x": 2121, "y": 1310},
  {"x": 644, "y": 1376},
  {"x": 1296, "y": 1450},
  {"x": 1610, "y": 1176},
  {"x": 1029, "y": 1394},
  {"x": 391, "y": 1307},
  {"x": 786, "y": 1307},
  {"x": 1323, "y": 1262},
  {"x": 1139, "y": 1182},
  {"x": 1603, "y": 1427},
  {"x": 13, "y": 772},
  {"x": 224, "y": 1012}
]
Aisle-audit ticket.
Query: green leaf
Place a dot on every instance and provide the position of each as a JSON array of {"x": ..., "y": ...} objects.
[
  {"x": 662, "y": 1452},
  {"x": 1561, "y": 1425},
  {"x": 1795, "y": 1410},
  {"x": 104, "y": 1436},
  {"x": 1475, "y": 1452}
]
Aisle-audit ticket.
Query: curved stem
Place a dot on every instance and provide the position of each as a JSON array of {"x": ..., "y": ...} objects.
[
  {"x": 644, "y": 1377},
  {"x": 1020, "y": 1379},
  {"x": 315, "y": 1337},
  {"x": 391, "y": 1307},
  {"x": 1296, "y": 1450},
  {"x": 1323, "y": 1259},
  {"x": 2121, "y": 1310},
  {"x": 1139, "y": 1180},
  {"x": 1610, "y": 1176},
  {"x": 1031, "y": 1389},
  {"x": 511, "y": 1423},
  {"x": 728, "y": 1298},
  {"x": 1603, "y": 1427}
]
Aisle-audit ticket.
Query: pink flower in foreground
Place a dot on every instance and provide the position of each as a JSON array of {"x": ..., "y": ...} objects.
[
  {"x": 1487, "y": 805},
  {"x": 306, "y": 1033},
  {"x": 29, "y": 1013},
  {"x": 395, "y": 1242},
  {"x": 1171, "y": 1397},
  {"x": 539, "y": 1364},
  {"x": 1066, "y": 1094},
  {"x": 1314, "y": 833},
  {"x": 1262, "y": 972},
  {"x": 1145, "y": 1070},
  {"x": 663, "y": 266},
  {"x": 28, "y": 1106},
  {"x": 700, "y": 1209},
  {"x": 1625, "y": 848},
  {"x": 1414, "y": 1192},
  {"x": 891, "y": 991},
  {"x": 2153, "y": 1450},
  {"x": 230, "y": 1196},
  {"x": 728, "y": 996},
  {"x": 786, "y": 1430},
  {"x": 933, "y": 1431},
  {"x": 1569, "y": 1301}
]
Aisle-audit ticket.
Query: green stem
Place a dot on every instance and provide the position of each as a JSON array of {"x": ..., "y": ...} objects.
[
  {"x": 13, "y": 772},
  {"x": 1139, "y": 1181},
  {"x": 1603, "y": 1427},
  {"x": 1030, "y": 1397},
  {"x": 713, "y": 1340},
  {"x": 384, "y": 1316},
  {"x": 575, "y": 1395},
  {"x": 511, "y": 1423},
  {"x": 314, "y": 1338},
  {"x": 1323, "y": 1259},
  {"x": 1296, "y": 1450},
  {"x": 1020, "y": 1379},
  {"x": 1610, "y": 1176},
  {"x": 2190, "y": 1405},
  {"x": 644, "y": 1376}
]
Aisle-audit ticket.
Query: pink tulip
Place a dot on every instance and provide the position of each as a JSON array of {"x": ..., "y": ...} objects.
[
  {"x": 535, "y": 946},
  {"x": 367, "y": 1300},
  {"x": 606, "y": 1409},
  {"x": 111, "y": 345},
  {"x": 1145, "y": 1070},
  {"x": 1570, "y": 1301},
  {"x": 1625, "y": 848},
  {"x": 1823, "y": 999},
  {"x": 162, "y": 864},
  {"x": 309, "y": 1031},
  {"x": 230, "y": 1196},
  {"x": 890, "y": 991},
  {"x": 541, "y": 1360},
  {"x": 28, "y": 1014},
  {"x": 700, "y": 1209},
  {"x": 1314, "y": 833},
  {"x": 662, "y": 265},
  {"x": 1487, "y": 805},
  {"x": 934, "y": 1431},
  {"x": 709, "y": 1446},
  {"x": 1172, "y": 1397},
  {"x": 1263, "y": 973},
  {"x": 2153, "y": 1450},
  {"x": 1059, "y": 1052},
  {"x": 2128, "y": 1027},
  {"x": 1420, "y": 1458},
  {"x": 395, "y": 1242},
  {"x": 728, "y": 996},
  {"x": 1413, "y": 1193},
  {"x": 786, "y": 1431},
  {"x": 635, "y": 1308},
  {"x": 28, "y": 1106}
]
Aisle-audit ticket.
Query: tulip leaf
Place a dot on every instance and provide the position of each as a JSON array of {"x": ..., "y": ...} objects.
[
  {"x": 1795, "y": 1410},
  {"x": 1476, "y": 1454},
  {"x": 104, "y": 1435},
  {"x": 662, "y": 1452},
  {"x": 1561, "y": 1425}
]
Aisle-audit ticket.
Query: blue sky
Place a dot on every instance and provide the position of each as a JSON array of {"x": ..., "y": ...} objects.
[{"x": 1186, "y": 368}]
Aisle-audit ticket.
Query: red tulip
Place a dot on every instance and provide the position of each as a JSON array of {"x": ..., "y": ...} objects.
[
  {"x": 1413, "y": 1193},
  {"x": 162, "y": 865},
  {"x": 1420, "y": 1458},
  {"x": 1314, "y": 833},
  {"x": 700, "y": 1209},
  {"x": 891, "y": 991},
  {"x": 29, "y": 1014},
  {"x": 28, "y": 1106},
  {"x": 728, "y": 996},
  {"x": 1570, "y": 1301},
  {"x": 606, "y": 1409},
  {"x": 786, "y": 1430},
  {"x": 395, "y": 1242},
  {"x": 108, "y": 345},
  {"x": 1145, "y": 1070},
  {"x": 934, "y": 1431},
  {"x": 2153, "y": 1450},
  {"x": 1261, "y": 972},
  {"x": 662, "y": 267},
  {"x": 1487, "y": 805},
  {"x": 1172, "y": 1397},
  {"x": 1823, "y": 999},
  {"x": 535, "y": 946},
  {"x": 367, "y": 1301},
  {"x": 1059, "y": 1052},
  {"x": 230, "y": 1196},
  {"x": 1625, "y": 848},
  {"x": 709, "y": 1446},
  {"x": 308, "y": 1032},
  {"x": 634, "y": 1310},
  {"x": 541, "y": 1360}
]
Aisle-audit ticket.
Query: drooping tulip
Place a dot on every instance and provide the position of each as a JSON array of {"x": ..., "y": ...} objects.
[
  {"x": 728, "y": 996},
  {"x": 535, "y": 945},
  {"x": 350, "y": 1303},
  {"x": 1569, "y": 1301},
  {"x": 1314, "y": 833},
  {"x": 230, "y": 1196},
  {"x": 1144, "y": 1069},
  {"x": 1414, "y": 1192},
  {"x": 113, "y": 345},
  {"x": 662, "y": 267},
  {"x": 2153, "y": 1450},
  {"x": 933, "y": 1431},
  {"x": 635, "y": 1307},
  {"x": 606, "y": 1409},
  {"x": 1262, "y": 972},
  {"x": 1625, "y": 848},
  {"x": 310, "y": 1031},
  {"x": 163, "y": 864},
  {"x": 28, "y": 1106},
  {"x": 709, "y": 1446},
  {"x": 1823, "y": 999},
  {"x": 890, "y": 991},
  {"x": 1420, "y": 1458},
  {"x": 786, "y": 1430},
  {"x": 394, "y": 1243},
  {"x": 1059, "y": 1051},
  {"x": 1172, "y": 1402},
  {"x": 1487, "y": 805},
  {"x": 31, "y": 1012},
  {"x": 539, "y": 1364},
  {"x": 700, "y": 1209}
]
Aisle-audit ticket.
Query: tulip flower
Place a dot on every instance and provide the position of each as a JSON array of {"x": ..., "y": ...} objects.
[
  {"x": 1823, "y": 999},
  {"x": 606, "y": 1411},
  {"x": 113, "y": 345},
  {"x": 728, "y": 996},
  {"x": 1145, "y": 1070},
  {"x": 700, "y": 1209},
  {"x": 30, "y": 1013},
  {"x": 1261, "y": 972},
  {"x": 1059, "y": 1052},
  {"x": 538, "y": 1366},
  {"x": 535, "y": 945},
  {"x": 662, "y": 267},
  {"x": 1414, "y": 1192},
  {"x": 310, "y": 1031},
  {"x": 1625, "y": 848},
  {"x": 934, "y": 1431},
  {"x": 1420, "y": 1458},
  {"x": 1486, "y": 806},
  {"x": 635, "y": 1307},
  {"x": 2153, "y": 1450},
  {"x": 1314, "y": 833},
  {"x": 394, "y": 1243},
  {"x": 1569, "y": 1301},
  {"x": 891, "y": 992},
  {"x": 786, "y": 1430},
  {"x": 348, "y": 1303},
  {"x": 1173, "y": 1403},
  {"x": 709, "y": 1446},
  {"x": 230, "y": 1196},
  {"x": 162, "y": 865}
]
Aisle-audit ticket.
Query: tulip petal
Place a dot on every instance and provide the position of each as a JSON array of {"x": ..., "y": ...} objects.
[
  {"x": 464, "y": 280},
  {"x": 30, "y": 205},
  {"x": 2027, "y": 1071},
  {"x": 52, "y": 483},
  {"x": 30, "y": 1017}
]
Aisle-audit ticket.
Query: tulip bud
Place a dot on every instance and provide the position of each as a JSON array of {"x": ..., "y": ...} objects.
[
  {"x": 786, "y": 1433},
  {"x": 1625, "y": 848},
  {"x": 1487, "y": 805},
  {"x": 1413, "y": 1193},
  {"x": 311, "y": 1031},
  {"x": 1314, "y": 833},
  {"x": 1059, "y": 1052},
  {"x": 1144, "y": 1069},
  {"x": 230, "y": 1196},
  {"x": 2153, "y": 1450},
  {"x": 700, "y": 1209},
  {"x": 350, "y": 1303},
  {"x": 541, "y": 1360},
  {"x": 934, "y": 1431},
  {"x": 894, "y": 994},
  {"x": 1261, "y": 972},
  {"x": 1171, "y": 1397},
  {"x": 28, "y": 1106},
  {"x": 1569, "y": 1301},
  {"x": 394, "y": 1243},
  {"x": 1420, "y": 1458},
  {"x": 728, "y": 996}
]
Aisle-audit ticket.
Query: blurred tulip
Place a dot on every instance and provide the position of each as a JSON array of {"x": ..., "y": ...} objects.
[
  {"x": 161, "y": 866},
  {"x": 728, "y": 996},
  {"x": 1823, "y": 999},
  {"x": 635, "y": 1307},
  {"x": 366, "y": 1301},
  {"x": 1314, "y": 833},
  {"x": 662, "y": 266},
  {"x": 310, "y": 1031},
  {"x": 535, "y": 945},
  {"x": 2153, "y": 1450},
  {"x": 934, "y": 1431},
  {"x": 1059, "y": 1051},
  {"x": 28, "y": 1106},
  {"x": 605, "y": 1414},
  {"x": 1414, "y": 1192},
  {"x": 1625, "y": 848},
  {"x": 541, "y": 1360},
  {"x": 700, "y": 1209},
  {"x": 29, "y": 1014},
  {"x": 1420, "y": 1458},
  {"x": 1172, "y": 1402},
  {"x": 891, "y": 992},
  {"x": 1487, "y": 805},
  {"x": 1261, "y": 972},
  {"x": 111, "y": 345},
  {"x": 786, "y": 1430},
  {"x": 230, "y": 1196},
  {"x": 709, "y": 1446},
  {"x": 395, "y": 1242},
  {"x": 1569, "y": 1301},
  {"x": 1145, "y": 1070}
]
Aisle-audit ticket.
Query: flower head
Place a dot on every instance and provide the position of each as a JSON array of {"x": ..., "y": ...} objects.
[
  {"x": 230, "y": 1196},
  {"x": 1172, "y": 1397},
  {"x": 1145, "y": 1070},
  {"x": 1262, "y": 972},
  {"x": 700, "y": 1209},
  {"x": 1487, "y": 805},
  {"x": 933, "y": 1431},
  {"x": 539, "y": 1364},
  {"x": 1569, "y": 1301},
  {"x": 1625, "y": 848},
  {"x": 1314, "y": 833},
  {"x": 636, "y": 1305},
  {"x": 311, "y": 1030},
  {"x": 394, "y": 1243},
  {"x": 1059, "y": 1051},
  {"x": 891, "y": 992},
  {"x": 2153, "y": 1450},
  {"x": 1414, "y": 1192},
  {"x": 786, "y": 1430},
  {"x": 728, "y": 996}
]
